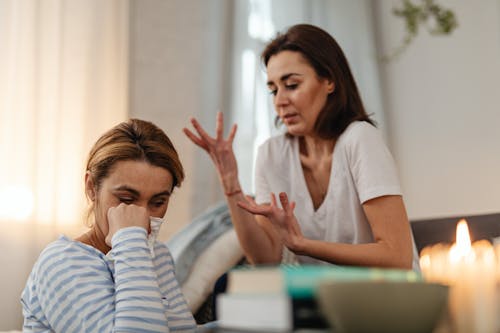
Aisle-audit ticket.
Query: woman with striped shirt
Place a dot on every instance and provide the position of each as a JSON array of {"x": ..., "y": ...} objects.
[{"x": 115, "y": 278}]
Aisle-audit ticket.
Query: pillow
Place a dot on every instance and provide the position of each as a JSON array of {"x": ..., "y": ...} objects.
[{"x": 218, "y": 258}]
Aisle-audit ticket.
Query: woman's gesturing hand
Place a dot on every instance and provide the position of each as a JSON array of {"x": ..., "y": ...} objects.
[
  {"x": 283, "y": 219},
  {"x": 219, "y": 149}
]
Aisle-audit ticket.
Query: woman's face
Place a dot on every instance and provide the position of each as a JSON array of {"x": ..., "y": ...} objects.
[
  {"x": 131, "y": 182},
  {"x": 299, "y": 94}
]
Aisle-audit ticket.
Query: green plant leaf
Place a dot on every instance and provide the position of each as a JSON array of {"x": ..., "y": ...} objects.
[{"x": 436, "y": 19}]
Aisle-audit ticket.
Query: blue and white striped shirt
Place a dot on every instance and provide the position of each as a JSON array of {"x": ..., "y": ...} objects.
[{"x": 74, "y": 287}]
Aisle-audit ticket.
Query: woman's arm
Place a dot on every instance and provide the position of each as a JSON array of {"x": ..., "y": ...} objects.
[
  {"x": 256, "y": 235},
  {"x": 138, "y": 300},
  {"x": 392, "y": 246}
]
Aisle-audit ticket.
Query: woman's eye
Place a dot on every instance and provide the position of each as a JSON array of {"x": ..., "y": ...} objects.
[
  {"x": 126, "y": 201},
  {"x": 158, "y": 204},
  {"x": 291, "y": 86}
]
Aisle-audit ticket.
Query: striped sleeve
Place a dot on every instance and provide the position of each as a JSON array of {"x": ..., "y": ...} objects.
[
  {"x": 139, "y": 302},
  {"x": 179, "y": 316},
  {"x": 75, "y": 288}
]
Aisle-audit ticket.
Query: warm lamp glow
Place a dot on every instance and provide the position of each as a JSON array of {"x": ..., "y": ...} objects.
[
  {"x": 462, "y": 247},
  {"x": 16, "y": 203}
]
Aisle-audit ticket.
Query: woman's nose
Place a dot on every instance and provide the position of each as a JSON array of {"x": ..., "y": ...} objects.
[{"x": 281, "y": 98}]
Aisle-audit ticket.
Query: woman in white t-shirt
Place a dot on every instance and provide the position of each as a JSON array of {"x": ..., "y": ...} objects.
[{"x": 339, "y": 196}]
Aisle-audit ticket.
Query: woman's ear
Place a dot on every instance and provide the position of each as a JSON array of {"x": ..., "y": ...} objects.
[
  {"x": 330, "y": 86},
  {"x": 89, "y": 186}
]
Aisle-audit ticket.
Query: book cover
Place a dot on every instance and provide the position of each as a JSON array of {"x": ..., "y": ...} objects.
[
  {"x": 261, "y": 312},
  {"x": 258, "y": 291}
]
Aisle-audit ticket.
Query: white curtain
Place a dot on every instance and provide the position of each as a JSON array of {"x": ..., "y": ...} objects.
[
  {"x": 63, "y": 81},
  {"x": 256, "y": 22}
]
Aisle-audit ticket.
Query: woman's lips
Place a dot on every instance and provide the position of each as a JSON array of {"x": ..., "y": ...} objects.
[{"x": 290, "y": 118}]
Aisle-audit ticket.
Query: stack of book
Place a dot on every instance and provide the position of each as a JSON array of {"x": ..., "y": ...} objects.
[{"x": 283, "y": 298}]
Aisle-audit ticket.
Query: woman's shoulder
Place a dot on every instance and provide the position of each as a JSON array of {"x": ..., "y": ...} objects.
[
  {"x": 58, "y": 248},
  {"x": 359, "y": 127},
  {"x": 277, "y": 145},
  {"x": 277, "y": 141},
  {"x": 359, "y": 131},
  {"x": 64, "y": 251},
  {"x": 69, "y": 247}
]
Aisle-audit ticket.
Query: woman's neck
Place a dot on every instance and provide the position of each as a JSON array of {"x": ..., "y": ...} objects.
[
  {"x": 95, "y": 238},
  {"x": 315, "y": 147},
  {"x": 316, "y": 156}
]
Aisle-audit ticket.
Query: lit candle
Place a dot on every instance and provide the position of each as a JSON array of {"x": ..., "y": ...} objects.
[{"x": 472, "y": 272}]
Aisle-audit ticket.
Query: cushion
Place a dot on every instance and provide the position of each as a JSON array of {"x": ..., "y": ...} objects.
[{"x": 219, "y": 257}]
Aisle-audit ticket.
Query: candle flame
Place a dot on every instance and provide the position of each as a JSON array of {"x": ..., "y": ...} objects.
[
  {"x": 463, "y": 237},
  {"x": 462, "y": 247},
  {"x": 425, "y": 261}
]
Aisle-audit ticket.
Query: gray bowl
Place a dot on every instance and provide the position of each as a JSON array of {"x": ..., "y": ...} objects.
[{"x": 382, "y": 306}]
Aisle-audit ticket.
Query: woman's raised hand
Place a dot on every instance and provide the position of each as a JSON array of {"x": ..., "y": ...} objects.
[
  {"x": 219, "y": 149},
  {"x": 123, "y": 216},
  {"x": 283, "y": 219}
]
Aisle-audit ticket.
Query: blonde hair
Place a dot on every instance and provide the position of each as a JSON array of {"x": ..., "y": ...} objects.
[{"x": 135, "y": 140}]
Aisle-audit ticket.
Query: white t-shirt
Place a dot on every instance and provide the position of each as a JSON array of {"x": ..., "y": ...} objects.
[{"x": 362, "y": 169}]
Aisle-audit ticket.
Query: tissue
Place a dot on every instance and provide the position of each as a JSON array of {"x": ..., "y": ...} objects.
[{"x": 155, "y": 224}]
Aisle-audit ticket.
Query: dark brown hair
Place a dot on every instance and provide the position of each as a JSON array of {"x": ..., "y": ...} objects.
[
  {"x": 135, "y": 140},
  {"x": 344, "y": 104}
]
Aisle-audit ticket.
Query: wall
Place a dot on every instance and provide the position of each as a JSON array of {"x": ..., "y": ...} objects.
[
  {"x": 441, "y": 99},
  {"x": 177, "y": 66}
]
